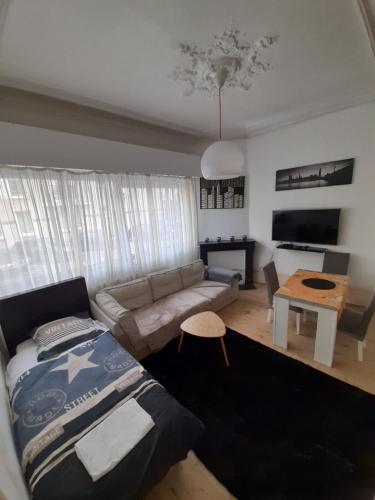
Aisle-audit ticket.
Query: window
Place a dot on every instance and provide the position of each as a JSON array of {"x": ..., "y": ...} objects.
[
  {"x": 15, "y": 188},
  {"x": 106, "y": 227},
  {"x": 25, "y": 223}
]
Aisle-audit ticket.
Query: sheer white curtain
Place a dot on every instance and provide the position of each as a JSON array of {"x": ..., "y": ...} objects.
[{"x": 56, "y": 224}]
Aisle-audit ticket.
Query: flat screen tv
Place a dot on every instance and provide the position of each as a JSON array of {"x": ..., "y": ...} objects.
[{"x": 306, "y": 226}]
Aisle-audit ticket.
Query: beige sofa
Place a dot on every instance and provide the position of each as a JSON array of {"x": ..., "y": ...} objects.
[{"x": 145, "y": 314}]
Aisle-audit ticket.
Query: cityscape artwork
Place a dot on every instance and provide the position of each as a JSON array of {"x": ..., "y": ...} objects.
[
  {"x": 225, "y": 193},
  {"x": 333, "y": 173}
]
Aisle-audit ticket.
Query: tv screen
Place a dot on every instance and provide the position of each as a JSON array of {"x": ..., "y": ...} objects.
[{"x": 306, "y": 226}]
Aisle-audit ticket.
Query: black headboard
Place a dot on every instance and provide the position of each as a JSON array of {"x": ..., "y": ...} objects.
[{"x": 22, "y": 312}]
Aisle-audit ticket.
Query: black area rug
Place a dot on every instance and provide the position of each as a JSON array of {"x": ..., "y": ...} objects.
[{"x": 276, "y": 428}]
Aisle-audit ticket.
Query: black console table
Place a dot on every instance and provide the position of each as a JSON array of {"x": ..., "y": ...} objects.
[{"x": 222, "y": 246}]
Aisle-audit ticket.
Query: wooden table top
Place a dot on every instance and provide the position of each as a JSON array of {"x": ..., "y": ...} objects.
[
  {"x": 294, "y": 289},
  {"x": 204, "y": 324}
]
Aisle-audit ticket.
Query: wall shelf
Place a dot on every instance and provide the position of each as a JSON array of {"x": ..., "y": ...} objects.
[{"x": 301, "y": 248}]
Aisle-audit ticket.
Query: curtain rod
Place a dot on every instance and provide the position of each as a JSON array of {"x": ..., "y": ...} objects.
[{"x": 78, "y": 171}]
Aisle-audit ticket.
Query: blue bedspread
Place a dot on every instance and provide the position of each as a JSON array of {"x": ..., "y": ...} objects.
[{"x": 57, "y": 401}]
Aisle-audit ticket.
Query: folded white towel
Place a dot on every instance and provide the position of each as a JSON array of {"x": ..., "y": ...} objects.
[{"x": 101, "y": 449}]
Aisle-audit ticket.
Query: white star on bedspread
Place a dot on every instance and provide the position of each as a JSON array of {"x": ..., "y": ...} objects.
[{"x": 75, "y": 364}]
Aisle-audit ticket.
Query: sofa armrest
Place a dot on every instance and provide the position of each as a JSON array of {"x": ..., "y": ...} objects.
[
  {"x": 118, "y": 316},
  {"x": 222, "y": 275},
  {"x": 101, "y": 316}
]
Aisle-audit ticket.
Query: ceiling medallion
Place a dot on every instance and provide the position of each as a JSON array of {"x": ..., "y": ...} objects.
[{"x": 231, "y": 61}]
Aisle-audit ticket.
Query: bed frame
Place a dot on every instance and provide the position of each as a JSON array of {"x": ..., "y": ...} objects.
[{"x": 22, "y": 312}]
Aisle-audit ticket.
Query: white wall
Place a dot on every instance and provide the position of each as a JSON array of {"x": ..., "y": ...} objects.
[
  {"x": 344, "y": 134},
  {"x": 24, "y": 145}
]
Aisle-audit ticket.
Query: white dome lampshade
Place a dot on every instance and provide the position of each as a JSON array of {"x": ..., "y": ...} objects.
[{"x": 222, "y": 160}]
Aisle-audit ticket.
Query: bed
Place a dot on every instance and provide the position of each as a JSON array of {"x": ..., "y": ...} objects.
[{"x": 55, "y": 404}]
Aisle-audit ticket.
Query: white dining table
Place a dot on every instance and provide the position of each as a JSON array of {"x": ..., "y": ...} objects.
[{"x": 328, "y": 303}]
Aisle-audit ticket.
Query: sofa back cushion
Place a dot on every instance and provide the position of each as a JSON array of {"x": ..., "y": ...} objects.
[
  {"x": 165, "y": 283},
  {"x": 192, "y": 273},
  {"x": 133, "y": 294}
]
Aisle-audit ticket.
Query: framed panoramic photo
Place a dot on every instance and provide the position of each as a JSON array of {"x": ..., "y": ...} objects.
[
  {"x": 226, "y": 193},
  {"x": 332, "y": 173}
]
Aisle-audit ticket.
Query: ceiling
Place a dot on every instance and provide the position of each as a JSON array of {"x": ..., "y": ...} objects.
[{"x": 116, "y": 55}]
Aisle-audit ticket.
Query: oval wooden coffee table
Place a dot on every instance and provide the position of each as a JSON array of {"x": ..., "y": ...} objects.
[{"x": 207, "y": 325}]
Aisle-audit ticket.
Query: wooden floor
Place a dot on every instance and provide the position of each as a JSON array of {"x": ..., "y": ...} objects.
[
  {"x": 189, "y": 479},
  {"x": 248, "y": 316}
]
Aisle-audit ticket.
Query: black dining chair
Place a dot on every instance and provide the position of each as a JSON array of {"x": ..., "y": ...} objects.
[
  {"x": 356, "y": 324},
  {"x": 272, "y": 285},
  {"x": 336, "y": 262}
]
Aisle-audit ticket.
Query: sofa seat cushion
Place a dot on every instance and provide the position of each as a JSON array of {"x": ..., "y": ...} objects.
[
  {"x": 133, "y": 294},
  {"x": 210, "y": 289},
  {"x": 219, "y": 294},
  {"x": 165, "y": 283},
  {"x": 192, "y": 273},
  {"x": 159, "y": 322}
]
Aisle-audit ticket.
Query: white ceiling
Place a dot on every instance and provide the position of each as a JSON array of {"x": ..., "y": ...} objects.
[{"x": 117, "y": 54}]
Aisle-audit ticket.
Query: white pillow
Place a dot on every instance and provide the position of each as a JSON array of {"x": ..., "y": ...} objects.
[
  {"x": 24, "y": 360},
  {"x": 12, "y": 485},
  {"x": 26, "y": 344}
]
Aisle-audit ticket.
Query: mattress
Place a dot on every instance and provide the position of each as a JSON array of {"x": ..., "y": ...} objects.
[{"x": 12, "y": 484}]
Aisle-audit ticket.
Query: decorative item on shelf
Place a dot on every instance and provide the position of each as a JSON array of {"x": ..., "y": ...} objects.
[
  {"x": 218, "y": 239},
  {"x": 333, "y": 173},
  {"x": 230, "y": 62},
  {"x": 227, "y": 193},
  {"x": 244, "y": 237},
  {"x": 232, "y": 238},
  {"x": 207, "y": 239}
]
